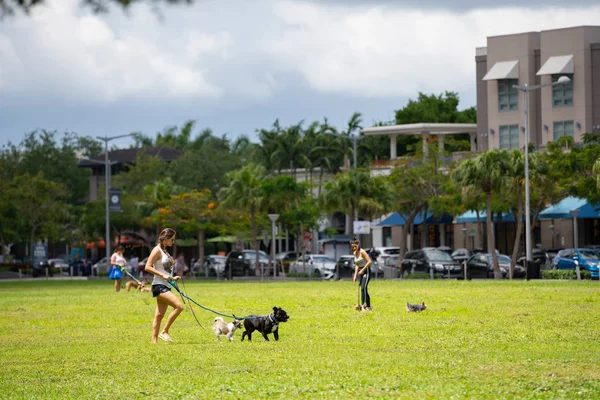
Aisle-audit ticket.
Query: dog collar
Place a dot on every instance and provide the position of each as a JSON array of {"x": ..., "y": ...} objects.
[{"x": 273, "y": 320}]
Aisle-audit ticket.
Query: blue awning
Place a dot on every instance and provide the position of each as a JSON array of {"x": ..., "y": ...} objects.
[
  {"x": 563, "y": 209},
  {"x": 471, "y": 216},
  {"x": 399, "y": 220}
]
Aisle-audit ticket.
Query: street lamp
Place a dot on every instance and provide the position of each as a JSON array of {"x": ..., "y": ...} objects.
[
  {"x": 107, "y": 139},
  {"x": 526, "y": 89},
  {"x": 273, "y": 218}
]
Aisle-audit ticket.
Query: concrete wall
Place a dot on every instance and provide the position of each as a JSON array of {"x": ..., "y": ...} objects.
[{"x": 577, "y": 42}]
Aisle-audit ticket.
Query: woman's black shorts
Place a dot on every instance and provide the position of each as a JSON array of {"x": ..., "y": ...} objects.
[{"x": 158, "y": 289}]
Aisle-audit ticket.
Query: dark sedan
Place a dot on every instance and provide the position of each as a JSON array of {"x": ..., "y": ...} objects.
[
  {"x": 480, "y": 266},
  {"x": 431, "y": 260}
]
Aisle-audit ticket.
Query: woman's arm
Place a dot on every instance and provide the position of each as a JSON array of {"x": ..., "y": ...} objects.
[
  {"x": 364, "y": 254},
  {"x": 154, "y": 256}
]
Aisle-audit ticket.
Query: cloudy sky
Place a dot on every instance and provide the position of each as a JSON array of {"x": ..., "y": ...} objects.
[{"x": 237, "y": 65}]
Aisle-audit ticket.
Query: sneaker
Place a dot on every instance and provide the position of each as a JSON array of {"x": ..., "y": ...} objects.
[{"x": 165, "y": 337}]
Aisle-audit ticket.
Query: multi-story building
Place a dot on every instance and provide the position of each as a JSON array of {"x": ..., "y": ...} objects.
[{"x": 538, "y": 58}]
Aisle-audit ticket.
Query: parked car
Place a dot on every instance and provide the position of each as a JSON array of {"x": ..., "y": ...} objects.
[
  {"x": 461, "y": 255},
  {"x": 215, "y": 264},
  {"x": 345, "y": 267},
  {"x": 243, "y": 263},
  {"x": 58, "y": 263},
  {"x": 588, "y": 259},
  {"x": 284, "y": 259},
  {"x": 425, "y": 260},
  {"x": 539, "y": 255},
  {"x": 315, "y": 265},
  {"x": 480, "y": 265},
  {"x": 388, "y": 255}
]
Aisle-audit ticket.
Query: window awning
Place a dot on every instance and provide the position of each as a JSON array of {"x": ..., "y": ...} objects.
[
  {"x": 557, "y": 65},
  {"x": 503, "y": 70},
  {"x": 563, "y": 208},
  {"x": 471, "y": 216},
  {"x": 400, "y": 220}
]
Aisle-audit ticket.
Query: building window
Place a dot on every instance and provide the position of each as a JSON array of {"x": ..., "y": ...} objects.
[
  {"x": 509, "y": 137},
  {"x": 508, "y": 96},
  {"x": 563, "y": 128},
  {"x": 562, "y": 95}
]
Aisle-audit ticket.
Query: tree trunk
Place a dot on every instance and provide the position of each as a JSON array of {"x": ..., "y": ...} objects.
[
  {"x": 255, "y": 240},
  {"x": 516, "y": 245},
  {"x": 201, "y": 250},
  {"x": 424, "y": 233},
  {"x": 490, "y": 238},
  {"x": 479, "y": 228}
]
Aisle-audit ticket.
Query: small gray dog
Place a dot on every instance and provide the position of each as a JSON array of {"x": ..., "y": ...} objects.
[
  {"x": 416, "y": 307},
  {"x": 221, "y": 328}
]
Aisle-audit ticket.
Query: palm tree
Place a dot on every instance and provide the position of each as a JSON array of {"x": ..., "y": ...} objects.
[
  {"x": 288, "y": 148},
  {"x": 356, "y": 190},
  {"x": 487, "y": 172},
  {"x": 244, "y": 192},
  {"x": 515, "y": 183}
]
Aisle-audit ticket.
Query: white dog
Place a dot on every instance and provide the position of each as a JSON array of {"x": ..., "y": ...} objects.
[{"x": 221, "y": 328}]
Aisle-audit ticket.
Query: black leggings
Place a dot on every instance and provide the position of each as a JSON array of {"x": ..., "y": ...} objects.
[{"x": 364, "y": 289}]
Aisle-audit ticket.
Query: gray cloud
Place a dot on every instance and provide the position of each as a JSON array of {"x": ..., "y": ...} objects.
[{"x": 238, "y": 71}]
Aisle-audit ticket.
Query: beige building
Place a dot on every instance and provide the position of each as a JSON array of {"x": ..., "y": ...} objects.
[{"x": 538, "y": 58}]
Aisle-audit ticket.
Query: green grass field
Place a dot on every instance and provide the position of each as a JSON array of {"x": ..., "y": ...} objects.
[{"x": 477, "y": 339}]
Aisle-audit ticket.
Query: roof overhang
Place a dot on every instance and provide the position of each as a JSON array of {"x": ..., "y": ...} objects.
[
  {"x": 417, "y": 129},
  {"x": 503, "y": 70},
  {"x": 557, "y": 65}
]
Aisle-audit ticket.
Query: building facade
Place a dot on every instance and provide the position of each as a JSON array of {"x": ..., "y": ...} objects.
[{"x": 538, "y": 58}]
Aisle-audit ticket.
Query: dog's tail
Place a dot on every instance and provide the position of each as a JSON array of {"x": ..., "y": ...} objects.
[{"x": 218, "y": 319}]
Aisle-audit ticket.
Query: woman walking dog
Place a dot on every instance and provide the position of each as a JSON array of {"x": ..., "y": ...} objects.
[
  {"x": 160, "y": 264},
  {"x": 118, "y": 261},
  {"x": 362, "y": 269}
]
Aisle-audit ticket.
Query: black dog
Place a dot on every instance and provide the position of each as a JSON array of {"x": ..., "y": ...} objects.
[{"x": 264, "y": 324}]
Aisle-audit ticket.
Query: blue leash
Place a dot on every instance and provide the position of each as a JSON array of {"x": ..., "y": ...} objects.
[{"x": 174, "y": 284}]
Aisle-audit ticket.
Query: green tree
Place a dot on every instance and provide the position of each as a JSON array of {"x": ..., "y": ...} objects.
[
  {"x": 356, "y": 192},
  {"x": 40, "y": 204},
  {"x": 205, "y": 164},
  {"x": 487, "y": 172},
  {"x": 244, "y": 192},
  {"x": 42, "y": 151},
  {"x": 433, "y": 109},
  {"x": 192, "y": 212}
]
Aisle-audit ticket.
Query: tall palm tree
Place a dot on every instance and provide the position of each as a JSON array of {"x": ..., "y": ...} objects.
[
  {"x": 244, "y": 192},
  {"x": 288, "y": 148},
  {"x": 487, "y": 172},
  {"x": 356, "y": 190}
]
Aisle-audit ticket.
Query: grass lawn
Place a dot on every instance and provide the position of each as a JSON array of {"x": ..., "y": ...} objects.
[{"x": 477, "y": 339}]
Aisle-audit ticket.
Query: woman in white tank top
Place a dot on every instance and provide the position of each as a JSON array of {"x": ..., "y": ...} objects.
[
  {"x": 160, "y": 264},
  {"x": 362, "y": 269}
]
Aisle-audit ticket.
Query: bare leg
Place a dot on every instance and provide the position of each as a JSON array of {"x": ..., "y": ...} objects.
[
  {"x": 169, "y": 299},
  {"x": 117, "y": 285},
  {"x": 161, "y": 309}
]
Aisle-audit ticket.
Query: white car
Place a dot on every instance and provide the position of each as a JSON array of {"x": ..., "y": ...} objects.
[
  {"x": 314, "y": 265},
  {"x": 215, "y": 264},
  {"x": 388, "y": 255},
  {"x": 58, "y": 263}
]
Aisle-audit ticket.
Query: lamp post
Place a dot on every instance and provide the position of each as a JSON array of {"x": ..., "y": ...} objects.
[
  {"x": 273, "y": 218},
  {"x": 107, "y": 139},
  {"x": 526, "y": 89}
]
